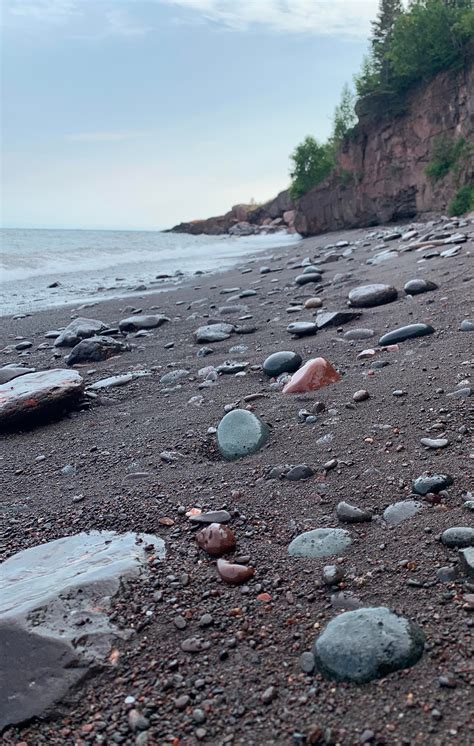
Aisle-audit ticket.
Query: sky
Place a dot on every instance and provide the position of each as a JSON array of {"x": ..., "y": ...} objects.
[{"x": 138, "y": 114}]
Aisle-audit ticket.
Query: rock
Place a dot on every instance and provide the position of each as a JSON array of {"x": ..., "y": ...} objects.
[
  {"x": 281, "y": 362},
  {"x": 269, "y": 695},
  {"x": 36, "y": 395},
  {"x": 356, "y": 334},
  {"x": 174, "y": 376},
  {"x": 234, "y": 574},
  {"x": 435, "y": 483},
  {"x": 321, "y": 542},
  {"x": 241, "y": 433},
  {"x": 94, "y": 349},
  {"x": 236, "y": 310},
  {"x": 204, "y": 352},
  {"x": 416, "y": 287},
  {"x": 134, "y": 323},
  {"x": 307, "y": 662},
  {"x": 335, "y": 318},
  {"x": 332, "y": 574},
  {"x": 213, "y": 516},
  {"x": 308, "y": 277},
  {"x": 313, "y": 303},
  {"x": 315, "y": 374},
  {"x": 299, "y": 472},
  {"x": 401, "y": 511},
  {"x": 366, "y": 296},
  {"x": 466, "y": 559},
  {"x": 351, "y": 514},
  {"x": 231, "y": 367},
  {"x": 458, "y": 536},
  {"x": 367, "y": 644},
  {"x": 77, "y": 330},
  {"x": 9, "y": 372},
  {"x": 213, "y": 332},
  {"x": 360, "y": 395},
  {"x": 120, "y": 380},
  {"x": 302, "y": 328},
  {"x": 47, "y": 594},
  {"x": 216, "y": 539},
  {"x": 434, "y": 442},
  {"x": 467, "y": 326},
  {"x": 405, "y": 332}
]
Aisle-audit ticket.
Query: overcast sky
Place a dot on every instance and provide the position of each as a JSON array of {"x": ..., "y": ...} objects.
[{"x": 143, "y": 113}]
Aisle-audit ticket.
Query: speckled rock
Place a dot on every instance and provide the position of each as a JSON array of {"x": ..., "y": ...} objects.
[
  {"x": 458, "y": 536},
  {"x": 401, "y": 511},
  {"x": 216, "y": 539},
  {"x": 434, "y": 483},
  {"x": 367, "y": 296},
  {"x": 241, "y": 433},
  {"x": 321, "y": 542}
]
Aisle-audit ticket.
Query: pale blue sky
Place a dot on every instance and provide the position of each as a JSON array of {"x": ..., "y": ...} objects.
[{"x": 142, "y": 113}]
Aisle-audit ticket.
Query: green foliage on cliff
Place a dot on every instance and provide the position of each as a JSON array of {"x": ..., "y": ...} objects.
[
  {"x": 463, "y": 200},
  {"x": 445, "y": 157},
  {"x": 312, "y": 162},
  {"x": 345, "y": 118}
]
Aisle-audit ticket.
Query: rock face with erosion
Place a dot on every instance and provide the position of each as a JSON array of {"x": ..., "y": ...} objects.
[
  {"x": 37, "y": 395},
  {"x": 53, "y": 614},
  {"x": 382, "y": 169}
]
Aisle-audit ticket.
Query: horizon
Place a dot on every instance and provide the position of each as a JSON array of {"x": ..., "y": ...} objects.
[{"x": 164, "y": 111}]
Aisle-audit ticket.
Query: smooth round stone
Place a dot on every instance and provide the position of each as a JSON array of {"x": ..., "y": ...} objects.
[
  {"x": 216, "y": 539},
  {"x": 434, "y": 483},
  {"x": 234, "y": 574},
  {"x": 434, "y": 442},
  {"x": 313, "y": 303},
  {"x": 458, "y": 536},
  {"x": 416, "y": 287},
  {"x": 405, "y": 332},
  {"x": 302, "y": 328},
  {"x": 467, "y": 326},
  {"x": 213, "y": 332},
  {"x": 310, "y": 269},
  {"x": 315, "y": 374},
  {"x": 367, "y": 644},
  {"x": 307, "y": 278},
  {"x": 281, "y": 362},
  {"x": 361, "y": 395},
  {"x": 356, "y": 334},
  {"x": 332, "y": 574},
  {"x": 321, "y": 542},
  {"x": 174, "y": 376},
  {"x": 367, "y": 296},
  {"x": 348, "y": 513},
  {"x": 401, "y": 511},
  {"x": 241, "y": 433},
  {"x": 307, "y": 662},
  {"x": 212, "y": 516},
  {"x": 134, "y": 323}
]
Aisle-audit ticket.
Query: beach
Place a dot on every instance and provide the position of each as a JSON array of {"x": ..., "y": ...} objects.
[{"x": 101, "y": 467}]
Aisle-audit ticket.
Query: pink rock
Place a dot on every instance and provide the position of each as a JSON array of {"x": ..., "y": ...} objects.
[
  {"x": 313, "y": 375},
  {"x": 366, "y": 354},
  {"x": 234, "y": 574}
]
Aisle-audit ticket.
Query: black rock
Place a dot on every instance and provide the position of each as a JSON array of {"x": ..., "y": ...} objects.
[
  {"x": 335, "y": 318},
  {"x": 299, "y": 472},
  {"x": 95, "y": 349},
  {"x": 304, "y": 279},
  {"x": 302, "y": 328},
  {"x": 418, "y": 286},
  {"x": 405, "y": 332},
  {"x": 281, "y": 362},
  {"x": 367, "y": 296},
  {"x": 435, "y": 483}
]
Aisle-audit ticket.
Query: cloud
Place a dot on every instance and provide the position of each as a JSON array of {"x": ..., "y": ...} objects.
[
  {"x": 118, "y": 136},
  {"x": 50, "y": 11},
  {"x": 328, "y": 17}
]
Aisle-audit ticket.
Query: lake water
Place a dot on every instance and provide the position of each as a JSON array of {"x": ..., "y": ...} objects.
[{"x": 92, "y": 265}]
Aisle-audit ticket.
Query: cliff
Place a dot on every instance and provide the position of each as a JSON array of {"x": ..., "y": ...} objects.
[{"x": 381, "y": 174}]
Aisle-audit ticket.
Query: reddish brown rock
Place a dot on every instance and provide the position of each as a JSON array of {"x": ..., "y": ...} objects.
[
  {"x": 35, "y": 395},
  {"x": 216, "y": 539},
  {"x": 313, "y": 375},
  {"x": 234, "y": 574}
]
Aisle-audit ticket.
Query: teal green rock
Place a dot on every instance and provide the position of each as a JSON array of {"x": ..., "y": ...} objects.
[
  {"x": 241, "y": 433},
  {"x": 405, "y": 332},
  {"x": 321, "y": 542}
]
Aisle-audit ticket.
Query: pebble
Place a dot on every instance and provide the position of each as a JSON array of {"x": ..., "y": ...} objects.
[
  {"x": 308, "y": 277},
  {"x": 348, "y": 513},
  {"x": 356, "y": 334},
  {"x": 467, "y": 326},
  {"x": 405, "y": 332},
  {"x": 216, "y": 539},
  {"x": 401, "y": 511},
  {"x": 234, "y": 574},
  {"x": 282, "y": 362},
  {"x": 458, "y": 536},
  {"x": 213, "y": 332},
  {"x": 366, "y": 296},
  {"x": 241, "y": 433},
  {"x": 361, "y": 395},
  {"x": 434, "y": 442},
  {"x": 135, "y": 323},
  {"x": 302, "y": 328},
  {"x": 321, "y": 542},
  {"x": 416, "y": 287},
  {"x": 434, "y": 483},
  {"x": 171, "y": 378},
  {"x": 313, "y": 303},
  {"x": 466, "y": 560},
  {"x": 269, "y": 695},
  {"x": 315, "y": 374},
  {"x": 212, "y": 516},
  {"x": 367, "y": 644},
  {"x": 299, "y": 472},
  {"x": 332, "y": 574},
  {"x": 307, "y": 662}
]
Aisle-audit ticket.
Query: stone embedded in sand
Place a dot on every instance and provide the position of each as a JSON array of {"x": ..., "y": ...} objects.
[
  {"x": 366, "y": 296},
  {"x": 302, "y": 328},
  {"x": 458, "y": 536},
  {"x": 434, "y": 483},
  {"x": 134, "y": 323},
  {"x": 241, "y": 433},
  {"x": 216, "y": 539},
  {"x": 53, "y": 614},
  {"x": 234, "y": 574},
  {"x": 313, "y": 303},
  {"x": 405, "y": 332},
  {"x": 37, "y": 394},
  {"x": 367, "y": 644},
  {"x": 348, "y": 513},
  {"x": 416, "y": 287},
  {"x": 356, "y": 334},
  {"x": 94, "y": 349},
  {"x": 282, "y": 362},
  {"x": 79, "y": 329},
  {"x": 401, "y": 511},
  {"x": 213, "y": 332},
  {"x": 314, "y": 374},
  {"x": 308, "y": 277},
  {"x": 335, "y": 318},
  {"x": 212, "y": 516},
  {"x": 321, "y": 542},
  {"x": 174, "y": 376}
]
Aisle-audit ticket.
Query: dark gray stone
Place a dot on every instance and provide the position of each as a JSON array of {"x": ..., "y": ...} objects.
[
  {"x": 405, "y": 332},
  {"x": 212, "y": 516},
  {"x": 356, "y": 334},
  {"x": 301, "y": 471},
  {"x": 335, "y": 318},
  {"x": 416, "y": 287},
  {"x": 458, "y": 536},
  {"x": 94, "y": 349},
  {"x": 466, "y": 559},
  {"x": 434, "y": 483},
  {"x": 367, "y": 644},
  {"x": 367, "y": 296},
  {"x": 302, "y": 328},
  {"x": 307, "y": 662},
  {"x": 281, "y": 362},
  {"x": 79, "y": 329},
  {"x": 321, "y": 542},
  {"x": 174, "y": 376},
  {"x": 241, "y": 433},
  {"x": 351, "y": 514},
  {"x": 134, "y": 323},
  {"x": 305, "y": 279},
  {"x": 9, "y": 372},
  {"x": 231, "y": 367}
]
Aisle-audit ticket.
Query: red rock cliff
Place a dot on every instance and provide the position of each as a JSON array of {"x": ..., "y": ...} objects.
[{"x": 381, "y": 174}]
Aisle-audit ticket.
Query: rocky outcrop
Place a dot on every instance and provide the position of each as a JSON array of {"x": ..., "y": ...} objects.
[
  {"x": 381, "y": 174},
  {"x": 243, "y": 220}
]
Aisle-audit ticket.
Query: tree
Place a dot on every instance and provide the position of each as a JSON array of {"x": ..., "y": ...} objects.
[
  {"x": 344, "y": 116},
  {"x": 382, "y": 33},
  {"x": 312, "y": 162}
]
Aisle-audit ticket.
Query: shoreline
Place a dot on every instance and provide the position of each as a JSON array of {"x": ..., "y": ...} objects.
[{"x": 366, "y": 453}]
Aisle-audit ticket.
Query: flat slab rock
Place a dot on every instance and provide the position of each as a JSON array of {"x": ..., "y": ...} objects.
[
  {"x": 35, "y": 395},
  {"x": 367, "y": 644},
  {"x": 134, "y": 323},
  {"x": 213, "y": 332},
  {"x": 321, "y": 542},
  {"x": 53, "y": 614}
]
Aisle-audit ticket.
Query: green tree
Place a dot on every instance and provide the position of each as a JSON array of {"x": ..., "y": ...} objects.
[
  {"x": 312, "y": 162},
  {"x": 344, "y": 116},
  {"x": 382, "y": 33}
]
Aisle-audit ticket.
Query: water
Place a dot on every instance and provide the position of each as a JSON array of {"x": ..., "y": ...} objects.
[{"x": 93, "y": 265}]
